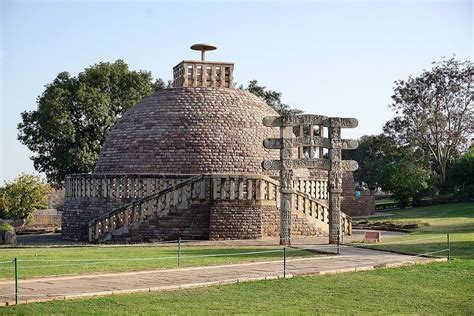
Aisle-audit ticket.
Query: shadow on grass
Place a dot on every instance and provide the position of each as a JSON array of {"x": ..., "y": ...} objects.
[{"x": 459, "y": 249}]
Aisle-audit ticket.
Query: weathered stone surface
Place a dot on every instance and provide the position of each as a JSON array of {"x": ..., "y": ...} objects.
[
  {"x": 308, "y": 163},
  {"x": 190, "y": 131},
  {"x": 78, "y": 212},
  {"x": 7, "y": 238},
  {"x": 310, "y": 119},
  {"x": 315, "y": 141}
]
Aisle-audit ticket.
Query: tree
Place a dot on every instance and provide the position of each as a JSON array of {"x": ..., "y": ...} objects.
[
  {"x": 461, "y": 172},
  {"x": 435, "y": 111},
  {"x": 272, "y": 98},
  {"x": 21, "y": 197},
  {"x": 74, "y": 114},
  {"x": 373, "y": 154},
  {"x": 404, "y": 179}
]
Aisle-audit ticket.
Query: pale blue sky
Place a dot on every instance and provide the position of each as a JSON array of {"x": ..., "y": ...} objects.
[{"x": 327, "y": 57}]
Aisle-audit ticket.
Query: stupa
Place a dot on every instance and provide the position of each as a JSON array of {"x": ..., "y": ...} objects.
[{"x": 186, "y": 162}]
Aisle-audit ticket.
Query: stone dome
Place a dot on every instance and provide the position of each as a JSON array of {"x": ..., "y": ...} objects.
[{"x": 190, "y": 130}]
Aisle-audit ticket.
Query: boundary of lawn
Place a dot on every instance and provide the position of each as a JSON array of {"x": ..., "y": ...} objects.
[{"x": 223, "y": 282}]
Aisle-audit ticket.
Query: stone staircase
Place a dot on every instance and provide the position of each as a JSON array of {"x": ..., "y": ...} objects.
[{"x": 177, "y": 208}]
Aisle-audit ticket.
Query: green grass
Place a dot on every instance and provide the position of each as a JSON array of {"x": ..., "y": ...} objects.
[
  {"x": 434, "y": 289},
  {"x": 385, "y": 200},
  {"x": 435, "y": 223},
  {"x": 40, "y": 262}
]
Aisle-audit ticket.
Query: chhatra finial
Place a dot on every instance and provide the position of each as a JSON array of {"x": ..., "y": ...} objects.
[{"x": 203, "y": 48}]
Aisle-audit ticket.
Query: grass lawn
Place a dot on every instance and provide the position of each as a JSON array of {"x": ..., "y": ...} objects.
[
  {"x": 38, "y": 262},
  {"x": 385, "y": 200},
  {"x": 435, "y": 222},
  {"x": 438, "y": 288}
]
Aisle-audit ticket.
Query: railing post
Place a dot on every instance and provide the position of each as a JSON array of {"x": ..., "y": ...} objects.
[
  {"x": 179, "y": 251},
  {"x": 338, "y": 239},
  {"x": 449, "y": 248},
  {"x": 284, "y": 262},
  {"x": 16, "y": 280}
]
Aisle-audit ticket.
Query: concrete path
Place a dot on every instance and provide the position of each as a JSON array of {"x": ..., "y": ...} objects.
[{"x": 54, "y": 288}]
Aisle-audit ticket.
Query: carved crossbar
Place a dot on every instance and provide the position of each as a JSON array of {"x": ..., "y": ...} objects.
[
  {"x": 315, "y": 141},
  {"x": 310, "y": 119},
  {"x": 307, "y": 144},
  {"x": 308, "y": 163}
]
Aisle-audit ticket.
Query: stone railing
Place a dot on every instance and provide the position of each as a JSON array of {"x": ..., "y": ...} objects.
[
  {"x": 319, "y": 209},
  {"x": 244, "y": 187},
  {"x": 136, "y": 186},
  {"x": 316, "y": 188},
  {"x": 119, "y": 185},
  {"x": 178, "y": 195}
]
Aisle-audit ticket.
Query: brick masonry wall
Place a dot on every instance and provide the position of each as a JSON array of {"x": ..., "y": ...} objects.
[
  {"x": 190, "y": 223},
  {"x": 348, "y": 185},
  {"x": 190, "y": 131},
  {"x": 235, "y": 221},
  {"x": 270, "y": 221},
  {"x": 358, "y": 206},
  {"x": 352, "y": 205},
  {"x": 300, "y": 226},
  {"x": 77, "y": 213}
]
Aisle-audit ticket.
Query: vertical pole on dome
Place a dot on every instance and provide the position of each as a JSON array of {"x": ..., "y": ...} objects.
[{"x": 203, "y": 48}]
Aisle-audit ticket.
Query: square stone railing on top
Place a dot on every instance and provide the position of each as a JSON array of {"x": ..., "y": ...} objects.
[{"x": 136, "y": 186}]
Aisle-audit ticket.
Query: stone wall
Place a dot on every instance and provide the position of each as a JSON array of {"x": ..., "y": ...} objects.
[
  {"x": 270, "y": 221},
  {"x": 78, "y": 212},
  {"x": 352, "y": 205},
  {"x": 190, "y": 223},
  {"x": 235, "y": 221},
  {"x": 190, "y": 130},
  {"x": 358, "y": 206}
]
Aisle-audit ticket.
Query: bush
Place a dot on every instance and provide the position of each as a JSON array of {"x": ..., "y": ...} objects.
[
  {"x": 5, "y": 227},
  {"x": 461, "y": 174},
  {"x": 21, "y": 197},
  {"x": 404, "y": 179}
]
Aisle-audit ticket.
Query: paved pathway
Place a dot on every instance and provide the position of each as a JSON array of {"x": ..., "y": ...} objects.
[{"x": 350, "y": 259}]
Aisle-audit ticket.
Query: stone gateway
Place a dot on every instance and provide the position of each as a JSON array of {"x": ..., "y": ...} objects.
[{"x": 186, "y": 162}]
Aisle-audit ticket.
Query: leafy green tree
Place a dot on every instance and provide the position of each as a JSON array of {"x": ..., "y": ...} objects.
[
  {"x": 404, "y": 179},
  {"x": 272, "y": 98},
  {"x": 435, "y": 111},
  {"x": 373, "y": 154},
  {"x": 74, "y": 114},
  {"x": 21, "y": 197},
  {"x": 461, "y": 172}
]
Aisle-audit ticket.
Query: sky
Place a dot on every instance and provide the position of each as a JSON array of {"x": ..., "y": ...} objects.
[{"x": 335, "y": 58}]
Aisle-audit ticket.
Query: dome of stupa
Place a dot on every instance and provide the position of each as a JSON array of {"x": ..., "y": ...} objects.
[{"x": 190, "y": 130}]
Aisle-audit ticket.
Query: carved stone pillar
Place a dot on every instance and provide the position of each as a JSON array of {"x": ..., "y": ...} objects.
[
  {"x": 286, "y": 186},
  {"x": 335, "y": 184}
]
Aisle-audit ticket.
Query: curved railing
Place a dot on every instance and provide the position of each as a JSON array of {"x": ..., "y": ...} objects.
[
  {"x": 319, "y": 210},
  {"x": 203, "y": 187},
  {"x": 137, "y": 186},
  {"x": 119, "y": 186},
  {"x": 139, "y": 210}
]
